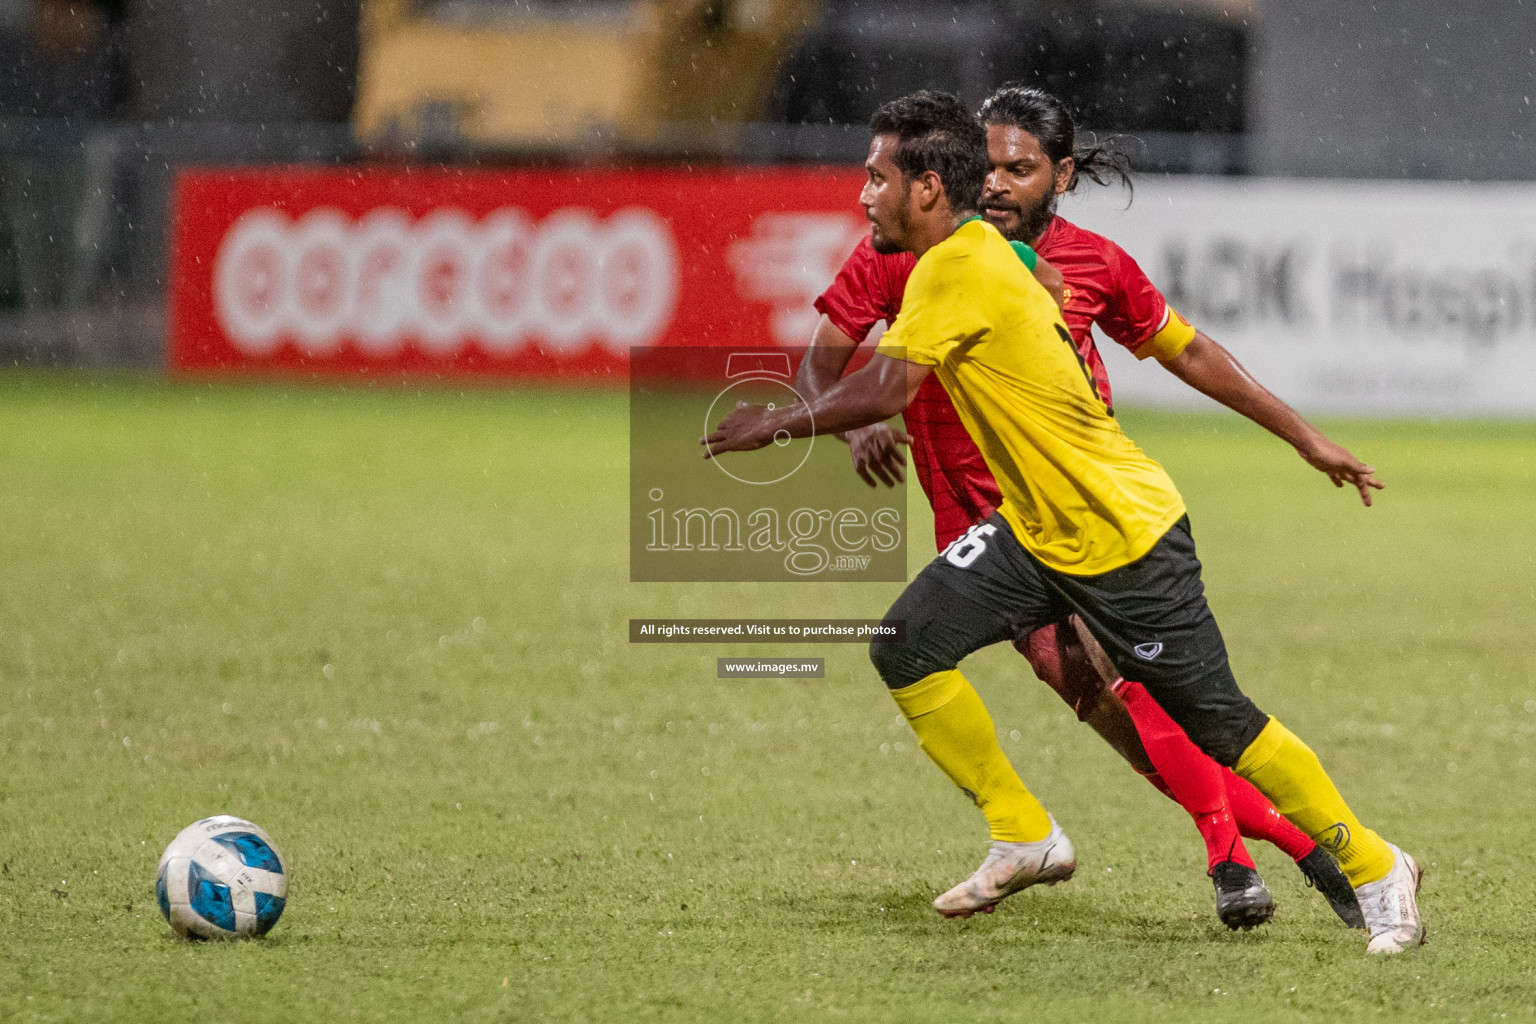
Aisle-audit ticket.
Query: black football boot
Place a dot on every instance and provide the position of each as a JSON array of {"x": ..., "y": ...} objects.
[{"x": 1242, "y": 899}]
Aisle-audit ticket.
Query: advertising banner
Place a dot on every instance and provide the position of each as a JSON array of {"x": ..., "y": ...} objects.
[
  {"x": 1351, "y": 297},
  {"x": 1356, "y": 297},
  {"x": 544, "y": 273}
]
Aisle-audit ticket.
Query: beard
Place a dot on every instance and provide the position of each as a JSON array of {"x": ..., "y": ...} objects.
[
  {"x": 886, "y": 244},
  {"x": 882, "y": 244},
  {"x": 1032, "y": 220}
]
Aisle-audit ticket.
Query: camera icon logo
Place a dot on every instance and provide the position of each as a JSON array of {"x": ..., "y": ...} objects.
[{"x": 758, "y": 378}]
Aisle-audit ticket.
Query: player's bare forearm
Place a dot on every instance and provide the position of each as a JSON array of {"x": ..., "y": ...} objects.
[
  {"x": 825, "y": 360},
  {"x": 875, "y": 393},
  {"x": 876, "y": 449},
  {"x": 1213, "y": 371}
]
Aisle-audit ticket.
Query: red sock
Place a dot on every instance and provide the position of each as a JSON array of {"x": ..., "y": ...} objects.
[
  {"x": 1187, "y": 775},
  {"x": 1258, "y": 819}
]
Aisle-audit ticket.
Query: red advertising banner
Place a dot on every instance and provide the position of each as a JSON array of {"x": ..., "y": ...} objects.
[{"x": 516, "y": 273}]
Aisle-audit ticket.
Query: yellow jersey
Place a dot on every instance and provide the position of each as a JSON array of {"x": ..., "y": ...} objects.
[{"x": 1079, "y": 495}]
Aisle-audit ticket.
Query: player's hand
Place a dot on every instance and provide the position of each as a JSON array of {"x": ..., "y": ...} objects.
[
  {"x": 1342, "y": 467},
  {"x": 877, "y": 454},
  {"x": 744, "y": 430}
]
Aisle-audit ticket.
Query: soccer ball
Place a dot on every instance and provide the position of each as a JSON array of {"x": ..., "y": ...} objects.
[{"x": 221, "y": 878}]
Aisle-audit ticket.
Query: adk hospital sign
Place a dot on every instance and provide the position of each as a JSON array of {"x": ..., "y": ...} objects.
[{"x": 1341, "y": 296}]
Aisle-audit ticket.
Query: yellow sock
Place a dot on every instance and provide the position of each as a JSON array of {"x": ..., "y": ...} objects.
[
  {"x": 1289, "y": 773},
  {"x": 954, "y": 729}
]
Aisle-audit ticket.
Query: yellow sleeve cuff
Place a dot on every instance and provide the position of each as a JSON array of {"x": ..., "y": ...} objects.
[{"x": 1171, "y": 338}]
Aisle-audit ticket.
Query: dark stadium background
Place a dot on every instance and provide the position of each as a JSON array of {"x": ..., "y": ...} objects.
[{"x": 102, "y": 101}]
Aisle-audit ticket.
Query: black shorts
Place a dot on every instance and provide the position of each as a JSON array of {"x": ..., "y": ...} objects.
[{"x": 1150, "y": 616}]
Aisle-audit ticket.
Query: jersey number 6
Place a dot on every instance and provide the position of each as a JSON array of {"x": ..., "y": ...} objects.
[{"x": 969, "y": 546}]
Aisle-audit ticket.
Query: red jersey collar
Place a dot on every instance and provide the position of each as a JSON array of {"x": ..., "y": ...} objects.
[{"x": 1045, "y": 236}]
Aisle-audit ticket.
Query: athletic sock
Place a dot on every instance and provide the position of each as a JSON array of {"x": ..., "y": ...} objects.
[
  {"x": 1289, "y": 773},
  {"x": 956, "y": 732},
  {"x": 1257, "y": 818},
  {"x": 1187, "y": 775}
]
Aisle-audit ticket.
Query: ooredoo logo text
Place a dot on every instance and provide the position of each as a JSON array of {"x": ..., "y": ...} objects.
[{"x": 445, "y": 281}]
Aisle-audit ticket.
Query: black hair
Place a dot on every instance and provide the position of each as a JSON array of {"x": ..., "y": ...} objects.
[
  {"x": 936, "y": 133},
  {"x": 1047, "y": 118}
]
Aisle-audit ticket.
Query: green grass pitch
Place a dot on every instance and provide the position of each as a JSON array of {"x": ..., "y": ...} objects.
[{"x": 389, "y": 625}]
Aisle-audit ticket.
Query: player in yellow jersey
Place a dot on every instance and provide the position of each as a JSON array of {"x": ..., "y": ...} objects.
[{"x": 1088, "y": 524}]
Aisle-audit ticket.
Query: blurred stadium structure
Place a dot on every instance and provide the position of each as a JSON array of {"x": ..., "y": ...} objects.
[{"x": 103, "y": 102}]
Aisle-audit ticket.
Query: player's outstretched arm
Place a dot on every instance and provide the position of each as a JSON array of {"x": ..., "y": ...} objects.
[
  {"x": 826, "y": 359},
  {"x": 875, "y": 393},
  {"x": 1213, "y": 371},
  {"x": 876, "y": 449}
]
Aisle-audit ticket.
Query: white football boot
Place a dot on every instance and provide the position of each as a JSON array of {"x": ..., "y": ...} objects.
[
  {"x": 1391, "y": 907},
  {"x": 1010, "y": 867}
]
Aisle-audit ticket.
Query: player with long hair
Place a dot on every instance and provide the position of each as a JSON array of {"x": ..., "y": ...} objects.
[
  {"x": 1034, "y": 160},
  {"x": 1088, "y": 524}
]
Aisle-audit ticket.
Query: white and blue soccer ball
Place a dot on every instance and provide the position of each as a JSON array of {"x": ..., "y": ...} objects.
[{"x": 222, "y": 878}]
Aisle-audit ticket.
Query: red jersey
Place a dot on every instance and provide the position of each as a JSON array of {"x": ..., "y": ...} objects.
[{"x": 1104, "y": 286}]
